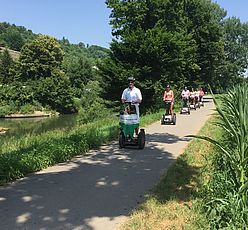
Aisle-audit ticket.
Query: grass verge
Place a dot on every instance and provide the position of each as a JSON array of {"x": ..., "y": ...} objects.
[
  {"x": 176, "y": 201},
  {"x": 19, "y": 157}
]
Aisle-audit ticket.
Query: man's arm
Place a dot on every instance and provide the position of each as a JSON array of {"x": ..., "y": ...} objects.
[
  {"x": 139, "y": 97},
  {"x": 123, "y": 96}
]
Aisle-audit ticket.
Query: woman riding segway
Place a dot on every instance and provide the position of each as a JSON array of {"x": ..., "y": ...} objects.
[{"x": 168, "y": 97}]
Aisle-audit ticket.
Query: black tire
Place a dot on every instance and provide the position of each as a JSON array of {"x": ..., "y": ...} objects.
[
  {"x": 141, "y": 139},
  {"x": 174, "y": 120},
  {"x": 189, "y": 111},
  {"x": 162, "y": 120},
  {"x": 121, "y": 140}
]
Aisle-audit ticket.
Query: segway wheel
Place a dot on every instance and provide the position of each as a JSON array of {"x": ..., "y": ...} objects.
[
  {"x": 162, "y": 120},
  {"x": 121, "y": 140},
  {"x": 141, "y": 139},
  {"x": 188, "y": 111},
  {"x": 174, "y": 119}
]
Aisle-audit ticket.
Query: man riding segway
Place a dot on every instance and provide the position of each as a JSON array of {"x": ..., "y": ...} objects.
[{"x": 129, "y": 120}]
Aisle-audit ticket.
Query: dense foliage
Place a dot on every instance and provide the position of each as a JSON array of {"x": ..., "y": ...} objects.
[
  {"x": 180, "y": 42},
  {"x": 184, "y": 43},
  {"x": 47, "y": 73}
]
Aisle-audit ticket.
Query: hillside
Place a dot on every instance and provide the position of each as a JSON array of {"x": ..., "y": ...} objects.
[
  {"x": 15, "y": 37},
  {"x": 14, "y": 54}
]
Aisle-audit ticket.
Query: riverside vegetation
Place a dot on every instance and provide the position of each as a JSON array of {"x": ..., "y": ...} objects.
[
  {"x": 184, "y": 43},
  {"x": 27, "y": 154}
]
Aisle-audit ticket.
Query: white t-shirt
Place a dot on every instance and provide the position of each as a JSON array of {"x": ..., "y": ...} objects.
[
  {"x": 185, "y": 93},
  {"x": 197, "y": 93},
  {"x": 131, "y": 95}
]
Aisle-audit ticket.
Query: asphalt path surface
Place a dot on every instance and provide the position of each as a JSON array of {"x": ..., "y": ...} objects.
[{"x": 97, "y": 191}]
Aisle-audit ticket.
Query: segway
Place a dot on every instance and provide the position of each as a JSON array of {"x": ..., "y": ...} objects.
[
  {"x": 129, "y": 122},
  {"x": 168, "y": 118},
  {"x": 185, "y": 109},
  {"x": 201, "y": 101},
  {"x": 192, "y": 104}
]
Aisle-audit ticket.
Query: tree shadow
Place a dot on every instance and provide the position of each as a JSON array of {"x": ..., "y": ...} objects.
[
  {"x": 105, "y": 184},
  {"x": 181, "y": 182}
]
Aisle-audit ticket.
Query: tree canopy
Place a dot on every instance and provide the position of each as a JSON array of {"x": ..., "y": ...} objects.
[{"x": 165, "y": 41}]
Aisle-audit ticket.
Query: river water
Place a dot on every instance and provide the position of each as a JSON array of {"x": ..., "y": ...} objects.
[{"x": 22, "y": 126}]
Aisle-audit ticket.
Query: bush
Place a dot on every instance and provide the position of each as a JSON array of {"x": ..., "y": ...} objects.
[{"x": 6, "y": 110}]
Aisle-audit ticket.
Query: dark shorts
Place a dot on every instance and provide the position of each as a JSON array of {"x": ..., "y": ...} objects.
[{"x": 167, "y": 104}]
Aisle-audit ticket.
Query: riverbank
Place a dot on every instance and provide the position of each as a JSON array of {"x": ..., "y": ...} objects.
[
  {"x": 33, "y": 153},
  {"x": 3, "y": 130},
  {"x": 31, "y": 115}
]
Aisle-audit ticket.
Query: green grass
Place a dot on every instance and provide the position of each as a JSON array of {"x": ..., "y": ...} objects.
[
  {"x": 176, "y": 201},
  {"x": 29, "y": 154}
]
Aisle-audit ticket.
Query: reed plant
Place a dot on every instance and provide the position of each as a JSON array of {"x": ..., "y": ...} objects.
[{"x": 226, "y": 198}]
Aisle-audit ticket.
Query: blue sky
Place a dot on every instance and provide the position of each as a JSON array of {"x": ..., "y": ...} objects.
[{"x": 84, "y": 21}]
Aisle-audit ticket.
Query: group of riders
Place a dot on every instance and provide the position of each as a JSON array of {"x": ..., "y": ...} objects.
[
  {"x": 193, "y": 97},
  {"x": 131, "y": 98}
]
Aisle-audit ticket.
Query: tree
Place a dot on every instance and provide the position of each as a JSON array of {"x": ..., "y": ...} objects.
[
  {"x": 235, "y": 62},
  {"x": 55, "y": 92},
  {"x": 6, "y": 63},
  {"x": 160, "y": 41},
  {"x": 204, "y": 23},
  {"x": 152, "y": 44},
  {"x": 13, "y": 38},
  {"x": 79, "y": 71},
  {"x": 40, "y": 57}
]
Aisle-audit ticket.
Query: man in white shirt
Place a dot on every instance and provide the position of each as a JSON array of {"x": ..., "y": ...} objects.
[
  {"x": 132, "y": 94},
  {"x": 185, "y": 96}
]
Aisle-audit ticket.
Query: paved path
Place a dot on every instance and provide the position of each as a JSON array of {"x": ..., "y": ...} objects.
[{"x": 96, "y": 191}]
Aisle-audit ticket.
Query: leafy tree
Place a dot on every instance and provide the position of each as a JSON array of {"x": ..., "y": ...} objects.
[
  {"x": 235, "y": 62},
  {"x": 40, "y": 57},
  {"x": 13, "y": 39},
  {"x": 92, "y": 105},
  {"x": 205, "y": 24},
  {"x": 6, "y": 63},
  {"x": 79, "y": 71},
  {"x": 151, "y": 44},
  {"x": 54, "y": 92},
  {"x": 160, "y": 41}
]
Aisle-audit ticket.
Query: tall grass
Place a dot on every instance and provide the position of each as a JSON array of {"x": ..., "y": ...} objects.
[
  {"x": 18, "y": 157},
  {"x": 226, "y": 200}
]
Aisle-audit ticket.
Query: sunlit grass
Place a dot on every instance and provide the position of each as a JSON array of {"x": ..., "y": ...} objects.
[
  {"x": 176, "y": 201},
  {"x": 20, "y": 156}
]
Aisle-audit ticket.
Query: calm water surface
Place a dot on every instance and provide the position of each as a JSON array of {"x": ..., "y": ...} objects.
[{"x": 22, "y": 126}]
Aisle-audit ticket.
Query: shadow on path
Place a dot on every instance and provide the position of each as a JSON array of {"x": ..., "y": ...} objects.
[{"x": 107, "y": 183}]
